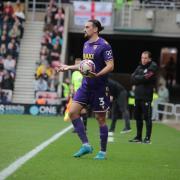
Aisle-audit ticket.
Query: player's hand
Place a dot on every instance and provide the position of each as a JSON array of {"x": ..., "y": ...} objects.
[
  {"x": 92, "y": 74},
  {"x": 62, "y": 68}
]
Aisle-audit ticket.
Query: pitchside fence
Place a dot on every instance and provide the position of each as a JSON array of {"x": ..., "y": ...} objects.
[{"x": 168, "y": 111}]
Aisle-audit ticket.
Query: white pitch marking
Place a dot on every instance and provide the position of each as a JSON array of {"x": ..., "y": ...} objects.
[{"x": 20, "y": 161}]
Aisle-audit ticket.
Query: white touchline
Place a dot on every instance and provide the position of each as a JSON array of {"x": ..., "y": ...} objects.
[{"x": 20, "y": 161}]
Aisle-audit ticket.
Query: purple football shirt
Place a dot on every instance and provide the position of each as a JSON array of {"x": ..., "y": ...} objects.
[{"x": 99, "y": 52}]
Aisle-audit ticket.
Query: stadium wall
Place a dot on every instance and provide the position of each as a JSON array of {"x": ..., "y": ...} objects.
[{"x": 126, "y": 49}]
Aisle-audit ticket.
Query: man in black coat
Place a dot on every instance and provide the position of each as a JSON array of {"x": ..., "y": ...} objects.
[
  {"x": 144, "y": 78},
  {"x": 119, "y": 103}
]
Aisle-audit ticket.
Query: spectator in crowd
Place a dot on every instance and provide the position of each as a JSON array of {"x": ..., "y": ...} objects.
[
  {"x": 53, "y": 82},
  {"x": 41, "y": 84},
  {"x": 15, "y": 46},
  {"x": 1, "y": 8},
  {"x": 51, "y": 44},
  {"x": 11, "y": 50},
  {"x": 1, "y": 73},
  {"x": 45, "y": 70},
  {"x": 3, "y": 50},
  {"x": 170, "y": 69},
  {"x": 43, "y": 53},
  {"x": 54, "y": 54},
  {"x": 7, "y": 82},
  {"x": 9, "y": 63},
  {"x": 48, "y": 16},
  {"x": 8, "y": 20},
  {"x": 131, "y": 102},
  {"x": 119, "y": 103},
  {"x": 19, "y": 23},
  {"x": 3, "y": 97},
  {"x": 4, "y": 40},
  {"x": 1, "y": 62},
  {"x": 41, "y": 100},
  {"x": 8, "y": 9},
  {"x": 66, "y": 88},
  {"x": 14, "y": 32},
  {"x": 46, "y": 39},
  {"x": 57, "y": 40},
  {"x": 10, "y": 32},
  {"x": 119, "y": 3},
  {"x": 54, "y": 9},
  {"x": 18, "y": 7},
  {"x": 43, "y": 60},
  {"x": 163, "y": 97},
  {"x": 59, "y": 17}
]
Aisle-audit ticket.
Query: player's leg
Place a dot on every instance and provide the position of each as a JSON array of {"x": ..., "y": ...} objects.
[
  {"x": 100, "y": 104},
  {"x": 103, "y": 128},
  {"x": 74, "y": 114},
  {"x": 84, "y": 117},
  {"x": 80, "y": 99}
]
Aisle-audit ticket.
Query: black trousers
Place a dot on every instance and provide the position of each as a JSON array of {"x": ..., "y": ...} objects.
[
  {"x": 120, "y": 104},
  {"x": 143, "y": 111}
]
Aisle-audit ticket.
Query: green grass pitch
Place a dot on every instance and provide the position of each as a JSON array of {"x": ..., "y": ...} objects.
[{"x": 125, "y": 161}]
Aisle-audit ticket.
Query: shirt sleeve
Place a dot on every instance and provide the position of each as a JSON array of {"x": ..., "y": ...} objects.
[{"x": 107, "y": 53}]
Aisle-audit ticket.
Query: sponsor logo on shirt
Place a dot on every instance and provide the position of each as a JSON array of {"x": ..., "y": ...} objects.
[{"x": 88, "y": 56}]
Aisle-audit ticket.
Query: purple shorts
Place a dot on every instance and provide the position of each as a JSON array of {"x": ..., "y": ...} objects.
[{"x": 98, "y": 99}]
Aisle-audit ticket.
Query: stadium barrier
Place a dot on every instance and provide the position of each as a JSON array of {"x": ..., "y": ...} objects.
[
  {"x": 168, "y": 109},
  {"x": 177, "y": 111},
  {"x": 31, "y": 109}
]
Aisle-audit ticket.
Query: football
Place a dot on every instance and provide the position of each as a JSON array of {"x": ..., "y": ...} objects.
[{"x": 87, "y": 66}]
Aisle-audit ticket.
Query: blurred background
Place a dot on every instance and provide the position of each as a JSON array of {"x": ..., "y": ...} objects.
[{"x": 38, "y": 35}]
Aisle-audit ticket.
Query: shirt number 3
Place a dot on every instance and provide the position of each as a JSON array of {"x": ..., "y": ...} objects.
[{"x": 101, "y": 102}]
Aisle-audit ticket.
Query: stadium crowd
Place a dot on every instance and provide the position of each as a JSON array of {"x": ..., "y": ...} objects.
[
  {"x": 11, "y": 32},
  {"x": 46, "y": 78}
]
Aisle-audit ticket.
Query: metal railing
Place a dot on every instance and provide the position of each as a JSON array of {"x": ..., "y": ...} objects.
[
  {"x": 168, "y": 109},
  {"x": 177, "y": 111},
  {"x": 169, "y": 5}
]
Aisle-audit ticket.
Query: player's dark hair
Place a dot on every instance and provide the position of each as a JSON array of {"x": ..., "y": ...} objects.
[
  {"x": 148, "y": 53},
  {"x": 97, "y": 24}
]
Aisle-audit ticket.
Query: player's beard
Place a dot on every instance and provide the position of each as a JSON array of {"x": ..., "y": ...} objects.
[{"x": 86, "y": 35}]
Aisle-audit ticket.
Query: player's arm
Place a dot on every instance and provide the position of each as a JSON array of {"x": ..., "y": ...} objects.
[
  {"x": 64, "y": 67},
  {"x": 108, "y": 68},
  {"x": 108, "y": 59}
]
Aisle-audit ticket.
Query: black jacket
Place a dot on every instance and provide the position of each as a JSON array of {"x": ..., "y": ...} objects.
[
  {"x": 115, "y": 88},
  {"x": 144, "y": 77}
]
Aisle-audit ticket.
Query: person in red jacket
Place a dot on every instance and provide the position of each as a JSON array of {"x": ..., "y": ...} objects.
[{"x": 8, "y": 9}]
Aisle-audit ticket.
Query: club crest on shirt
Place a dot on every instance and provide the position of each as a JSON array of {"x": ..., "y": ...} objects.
[
  {"x": 85, "y": 46},
  {"x": 95, "y": 47}
]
